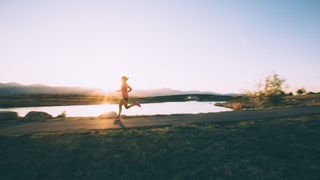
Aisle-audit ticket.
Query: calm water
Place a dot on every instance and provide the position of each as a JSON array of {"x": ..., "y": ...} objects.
[{"x": 146, "y": 109}]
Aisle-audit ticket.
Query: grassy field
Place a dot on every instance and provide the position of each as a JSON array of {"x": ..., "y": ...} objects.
[{"x": 286, "y": 148}]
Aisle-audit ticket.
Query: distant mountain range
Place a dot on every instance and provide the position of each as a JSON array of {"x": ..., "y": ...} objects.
[
  {"x": 11, "y": 89},
  {"x": 7, "y": 89},
  {"x": 166, "y": 92}
]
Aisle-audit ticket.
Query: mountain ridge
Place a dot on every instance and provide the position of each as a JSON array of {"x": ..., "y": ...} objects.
[{"x": 13, "y": 88}]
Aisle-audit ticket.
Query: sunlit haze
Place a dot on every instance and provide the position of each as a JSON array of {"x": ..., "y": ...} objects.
[{"x": 221, "y": 46}]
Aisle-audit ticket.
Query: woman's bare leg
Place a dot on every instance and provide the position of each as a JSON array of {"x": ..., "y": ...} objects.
[
  {"x": 120, "y": 108},
  {"x": 131, "y": 105},
  {"x": 126, "y": 105}
]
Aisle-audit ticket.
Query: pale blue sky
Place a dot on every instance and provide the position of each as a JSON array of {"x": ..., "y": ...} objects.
[{"x": 221, "y": 46}]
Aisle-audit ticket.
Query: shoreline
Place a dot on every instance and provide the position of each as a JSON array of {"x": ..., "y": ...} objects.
[{"x": 63, "y": 100}]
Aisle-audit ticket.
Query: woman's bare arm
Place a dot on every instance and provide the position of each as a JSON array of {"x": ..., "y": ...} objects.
[{"x": 129, "y": 89}]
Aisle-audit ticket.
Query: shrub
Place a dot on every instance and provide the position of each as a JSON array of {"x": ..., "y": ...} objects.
[
  {"x": 271, "y": 92},
  {"x": 301, "y": 91}
]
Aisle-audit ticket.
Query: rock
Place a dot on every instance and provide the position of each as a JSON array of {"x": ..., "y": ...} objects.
[
  {"x": 34, "y": 115},
  {"x": 111, "y": 114},
  {"x": 8, "y": 115},
  {"x": 219, "y": 104},
  {"x": 236, "y": 106},
  {"x": 232, "y": 105},
  {"x": 62, "y": 115}
]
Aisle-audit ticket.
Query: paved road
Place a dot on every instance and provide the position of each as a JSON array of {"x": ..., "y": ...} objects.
[{"x": 143, "y": 121}]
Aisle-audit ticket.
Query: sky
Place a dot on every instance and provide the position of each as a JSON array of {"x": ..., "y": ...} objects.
[{"x": 217, "y": 45}]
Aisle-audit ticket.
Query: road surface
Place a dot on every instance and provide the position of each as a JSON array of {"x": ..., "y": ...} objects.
[{"x": 145, "y": 121}]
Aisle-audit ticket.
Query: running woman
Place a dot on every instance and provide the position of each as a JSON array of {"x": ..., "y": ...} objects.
[{"x": 125, "y": 89}]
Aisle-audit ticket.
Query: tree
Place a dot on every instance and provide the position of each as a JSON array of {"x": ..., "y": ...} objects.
[
  {"x": 301, "y": 91},
  {"x": 274, "y": 89},
  {"x": 269, "y": 92},
  {"x": 274, "y": 85}
]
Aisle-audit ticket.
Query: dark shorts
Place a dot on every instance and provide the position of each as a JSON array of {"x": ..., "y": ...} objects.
[{"x": 125, "y": 99}]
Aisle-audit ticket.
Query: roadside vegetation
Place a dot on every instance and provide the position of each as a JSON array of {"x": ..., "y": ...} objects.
[{"x": 272, "y": 94}]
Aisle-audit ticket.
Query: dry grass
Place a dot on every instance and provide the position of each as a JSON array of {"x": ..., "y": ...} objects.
[{"x": 287, "y": 148}]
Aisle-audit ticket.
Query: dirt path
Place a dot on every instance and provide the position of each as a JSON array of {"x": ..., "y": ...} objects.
[{"x": 143, "y": 121}]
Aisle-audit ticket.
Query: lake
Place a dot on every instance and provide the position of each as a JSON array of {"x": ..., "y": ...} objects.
[{"x": 190, "y": 107}]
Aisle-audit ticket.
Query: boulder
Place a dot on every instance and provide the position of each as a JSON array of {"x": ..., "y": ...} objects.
[
  {"x": 35, "y": 115},
  {"x": 8, "y": 115},
  {"x": 236, "y": 106},
  {"x": 62, "y": 115},
  {"x": 106, "y": 115}
]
